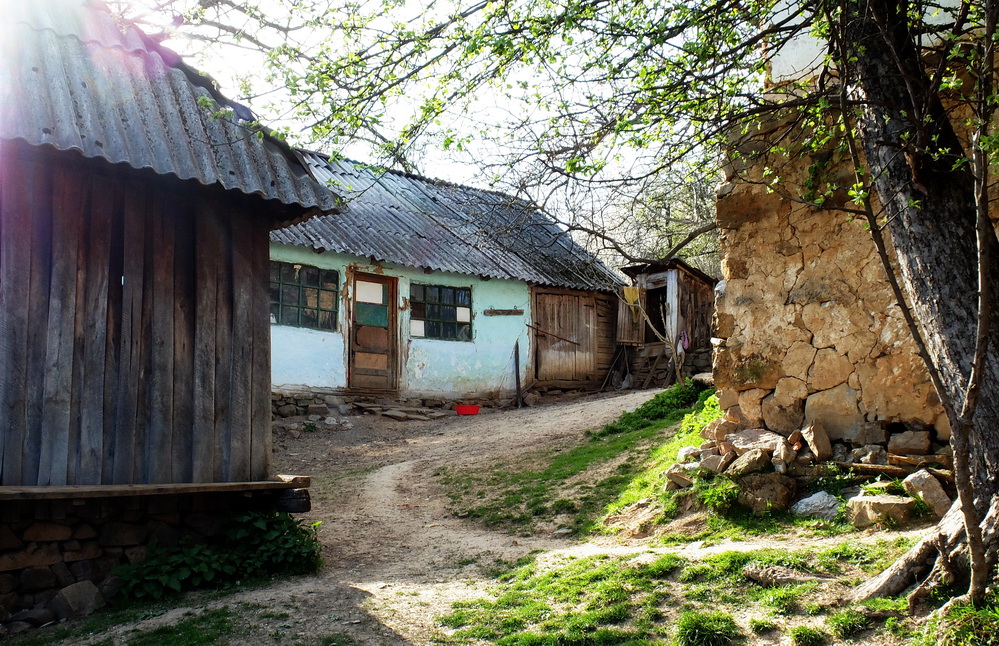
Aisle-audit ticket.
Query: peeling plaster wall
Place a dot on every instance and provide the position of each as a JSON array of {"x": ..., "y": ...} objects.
[
  {"x": 807, "y": 324},
  {"x": 302, "y": 359}
]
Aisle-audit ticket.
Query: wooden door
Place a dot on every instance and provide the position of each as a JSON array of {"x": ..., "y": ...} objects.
[
  {"x": 373, "y": 356},
  {"x": 565, "y": 328}
]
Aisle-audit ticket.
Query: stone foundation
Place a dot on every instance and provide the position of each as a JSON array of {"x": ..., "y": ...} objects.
[{"x": 57, "y": 556}]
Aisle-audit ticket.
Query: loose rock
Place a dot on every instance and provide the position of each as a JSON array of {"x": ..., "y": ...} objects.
[
  {"x": 749, "y": 462},
  {"x": 864, "y": 511},
  {"x": 924, "y": 486},
  {"x": 822, "y": 505},
  {"x": 763, "y": 492}
]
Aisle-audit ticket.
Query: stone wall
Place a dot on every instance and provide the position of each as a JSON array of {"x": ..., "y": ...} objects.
[
  {"x": 806, "y": 325},
  {"x": 57, "y": 556}
]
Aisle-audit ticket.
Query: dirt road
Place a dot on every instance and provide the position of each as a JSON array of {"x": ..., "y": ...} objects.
[{"x": 396, "y": 557}]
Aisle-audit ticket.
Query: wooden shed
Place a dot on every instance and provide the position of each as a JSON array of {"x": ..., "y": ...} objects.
[
  {"x": 668, "y": 299},
  {"x": 133, "y": 260}
]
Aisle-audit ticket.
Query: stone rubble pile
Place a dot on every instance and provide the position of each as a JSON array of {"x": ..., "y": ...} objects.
[{"x": 767, "y": 467}]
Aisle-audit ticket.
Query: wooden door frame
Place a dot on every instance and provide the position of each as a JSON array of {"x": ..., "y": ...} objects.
[{"x": 395, "y": 356}]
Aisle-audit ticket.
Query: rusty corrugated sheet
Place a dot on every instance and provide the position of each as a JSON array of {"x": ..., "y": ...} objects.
[
  {"x": 426, "y": 223},
  {"x": 74, "y": 79}
]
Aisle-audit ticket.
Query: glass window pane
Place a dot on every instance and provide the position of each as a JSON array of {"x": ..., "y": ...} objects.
[
  {"x": 327, "y": 300},
  {"x": 327, "y": 320},
  {"x": 288, "y": 273},
  {"x": 447, "y": 295},
  {"x": 275, "y": 270},
  {"x": 275, "y": 312},
  {"x": 289, "y": 316},
  {"x": 419, "y": 311},
  {"x": 275, "y": 293},
  {"x": 371, "y": 314},
  {"x": 416, "y": 292},
  {"x": 433, "y": 294},
  {"x": 450, "y": 331},
  {"x": 464, "y": 297},
  {"x": 309, "y": 276},
  {"x": 433, "y": 329},
  {"x": 310, "y": 318},
  {"x": 310, "y": 296},
  {"x": 289, "y": 295},
  {"x": 449, "y": 313},
  {"x": 330, "y": 280},
  {"x": 434, "y": 312},
  {"x": 465, "y": 332}
]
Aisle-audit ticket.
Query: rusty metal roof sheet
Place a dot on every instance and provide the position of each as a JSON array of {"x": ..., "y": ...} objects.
[
  {"x": 73, "y": 78},
  {"x": 426, "y": 223}
]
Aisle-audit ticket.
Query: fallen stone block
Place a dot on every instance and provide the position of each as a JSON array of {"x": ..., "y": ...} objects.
[
  {"x": 77, "y": 600},
  {"x": 910, "y": 443},
  {"x": 924, "y": 486},
  {"x": 754, "y": 438},
  {"x": 749, "y": 462},
  {"x": 718, "y": 463},
  {"x": 765, "y": 492},
  {"x": 818, "y": 441},
  {"x": 681, "y": 474},
  {"x": 688, "y": 454},
  {"x": 822, "y": 505},
  {"x": 864, "y": 511}
]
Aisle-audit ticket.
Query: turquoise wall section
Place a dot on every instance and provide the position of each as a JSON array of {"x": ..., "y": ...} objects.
[{"x": 430, "y": 368}]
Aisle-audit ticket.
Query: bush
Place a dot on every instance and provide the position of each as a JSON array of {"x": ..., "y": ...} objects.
[
  {"x": 695, "y": 628},
  {"x": 668, "y": 407},
  {"x": 251, "y": 545}
]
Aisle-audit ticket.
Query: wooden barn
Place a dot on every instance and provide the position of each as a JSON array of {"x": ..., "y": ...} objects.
[
  {"x": 134, "y": 329},
  {"x": 670, "y": 304}
]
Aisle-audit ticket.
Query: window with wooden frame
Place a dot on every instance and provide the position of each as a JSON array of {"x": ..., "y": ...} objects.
[
  {"x": 304, "y": 296},
  {"x": 438, "y": 312}
]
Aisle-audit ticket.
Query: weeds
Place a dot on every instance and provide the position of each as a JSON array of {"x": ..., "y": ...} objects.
[{"x": 806, "y": 636}]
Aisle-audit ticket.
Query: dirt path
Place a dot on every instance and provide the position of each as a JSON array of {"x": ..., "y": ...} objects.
[{"x": 396, "y": 557}]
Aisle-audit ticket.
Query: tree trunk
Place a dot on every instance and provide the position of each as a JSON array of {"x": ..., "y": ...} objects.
[{"x": 912, "y": 148}]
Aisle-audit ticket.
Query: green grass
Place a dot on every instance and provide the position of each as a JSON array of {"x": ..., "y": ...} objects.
[
  {"x": 596, "y": 600},
  {"x": 516, "y": 496},
  {"x": 847, "y": 623},
  {"x": 806, "y": 636},
  {"x": 209, "y": 628},
  {"x": 717, "y": 628}
]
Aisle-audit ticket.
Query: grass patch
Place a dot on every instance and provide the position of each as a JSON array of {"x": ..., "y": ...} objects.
[
  {"x": 806, "y": 636},
  {"x": 515, "y": 497},
  {"x": 205, "y": 629},
  {"x": 847, "y": 623},
  {"x": 717, "y": 628},
  {"x": 596, "y": 600}
]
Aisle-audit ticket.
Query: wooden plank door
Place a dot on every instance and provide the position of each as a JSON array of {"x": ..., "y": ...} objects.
[
  {"x": 565, "y": 328},
  {"x": 373, "y": 356}
]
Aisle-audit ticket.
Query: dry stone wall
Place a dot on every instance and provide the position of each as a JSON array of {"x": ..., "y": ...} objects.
[{"x": 806, "y": 325}]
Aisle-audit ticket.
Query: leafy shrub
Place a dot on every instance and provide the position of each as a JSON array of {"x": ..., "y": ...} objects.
[
  {"x": 847, "y": 623},
  {"x": 805, "y": 636},
  {"x": 251, "y": 545},
  {"x": 716, "y": 492},
  {"x": 695, "y": 628}
]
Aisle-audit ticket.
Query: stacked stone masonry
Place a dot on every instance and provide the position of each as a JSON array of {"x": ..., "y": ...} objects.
[
  {"x": 57, "y": 557},
  {"x": 807, "y": 328}
]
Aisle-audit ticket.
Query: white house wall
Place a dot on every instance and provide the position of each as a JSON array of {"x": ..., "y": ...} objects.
[{"x": 303, "y": 358}]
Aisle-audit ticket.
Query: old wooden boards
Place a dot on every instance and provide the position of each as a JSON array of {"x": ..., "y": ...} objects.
[
  {"x": 574, "y": 336},
  {"x": 133, "y": 327},
  {"x": 374, "y": 351}
]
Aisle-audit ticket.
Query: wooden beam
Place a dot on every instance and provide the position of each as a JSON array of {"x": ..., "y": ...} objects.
[{"x": 126, "y": 490}]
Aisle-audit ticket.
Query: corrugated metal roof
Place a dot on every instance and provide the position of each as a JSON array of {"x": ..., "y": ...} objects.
[
  {"x": 420, "y": 222},
  {"x": 73, "y": 78}
]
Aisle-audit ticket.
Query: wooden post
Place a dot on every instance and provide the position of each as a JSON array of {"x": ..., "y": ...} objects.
[{"x": 516, "y": 372}]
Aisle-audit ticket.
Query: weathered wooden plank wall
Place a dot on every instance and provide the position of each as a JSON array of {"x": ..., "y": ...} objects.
[
  {"x": 695, "y": 305},
  {"x": 134, "y": 331},
  {"x": 582, "y": 329}
]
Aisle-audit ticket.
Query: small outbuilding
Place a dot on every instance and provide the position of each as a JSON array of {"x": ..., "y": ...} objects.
[
  {"x": 422, "y": 288},
  {"x": 135, "y": 208},
  {"x": 668, "y": 306}
]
